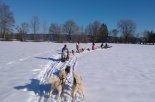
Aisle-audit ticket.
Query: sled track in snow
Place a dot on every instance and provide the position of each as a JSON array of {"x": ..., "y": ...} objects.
[{"x": 51, "y": 69}]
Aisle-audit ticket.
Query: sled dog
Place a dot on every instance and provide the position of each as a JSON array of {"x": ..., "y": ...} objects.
[
  {"x": 59, "y": 82},
  {"x": 77, "y": 85},
  {"x": 56, "y": 84}
]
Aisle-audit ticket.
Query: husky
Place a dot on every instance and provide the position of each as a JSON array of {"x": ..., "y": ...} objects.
[
  {"x": 63, "y": 75},
  {"x": 77, "y": 85},
  {"x": 58, "y": 83}
]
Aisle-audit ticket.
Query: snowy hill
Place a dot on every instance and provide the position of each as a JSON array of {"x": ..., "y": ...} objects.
[{"x": 123, "y": 73}]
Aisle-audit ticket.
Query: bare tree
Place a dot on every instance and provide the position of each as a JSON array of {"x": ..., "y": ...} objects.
[
  {"x": 23, "y": 30},
  {"x": 43, "y": 31},
  {"x": 82, "y": 30},
  {"x": 70, "y": 27},
  {"x": 114, "y": 34},
  {"x": 89, "y": 29},
  {"x": 93, "y": 29},
  {"x": 57, "y": 30},
  {"x": 103, "y": 33},
  {"x": 6, "y": 20},
  {"x": 127, "y": 28},
  {"x": 44, "y": 28},
  {"x": 83, "y": 37},
  {"x": 35, "y": 25},
  {"x": 149, "y": 36}
]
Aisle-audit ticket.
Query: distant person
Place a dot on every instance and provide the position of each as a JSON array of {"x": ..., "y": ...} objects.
[
  {"x": 73, "y": 52},
  {"x": 107, "y": 46},
  {"x": 65, "y": 54},
  {"x": 102, "y": 45},
  {"x": 93, "y": 46},
  {"x": 78, "y": 47}
]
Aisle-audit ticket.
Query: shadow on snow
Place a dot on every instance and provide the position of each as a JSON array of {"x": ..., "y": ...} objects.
[
  {"x": 53, "y": 59},
  {"x": 36, "y": 87},
  {"x": 41, "y": 90}
]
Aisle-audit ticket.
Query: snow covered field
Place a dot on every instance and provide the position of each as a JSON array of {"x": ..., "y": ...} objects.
[{"x": 123, "y": 73}]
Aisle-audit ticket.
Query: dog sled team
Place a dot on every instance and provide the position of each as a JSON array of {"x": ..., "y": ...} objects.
[
  {"x": 65, "y": 52},
  {"x": 59, "y": 83}
]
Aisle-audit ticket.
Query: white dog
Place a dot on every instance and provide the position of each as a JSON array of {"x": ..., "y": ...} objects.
[
  {"x": 56, "y": 84},
  {"x": 59, "y": 82},
  {"x": 77, "y": 85}
]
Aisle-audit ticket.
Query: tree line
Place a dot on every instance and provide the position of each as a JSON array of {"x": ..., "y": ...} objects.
[{"x": 70, "y": 31}]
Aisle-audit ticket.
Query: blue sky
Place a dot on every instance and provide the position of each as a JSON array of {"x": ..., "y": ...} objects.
[{"x": 142, "y": 12}]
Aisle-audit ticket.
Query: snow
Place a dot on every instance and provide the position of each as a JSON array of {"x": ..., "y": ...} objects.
[{"x": 123, "y": 73}]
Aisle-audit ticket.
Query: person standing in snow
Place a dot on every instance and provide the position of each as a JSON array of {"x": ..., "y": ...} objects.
[
  {"x": 78, "y": 47},
  {"x": 93, "y": 46},
  {"x": 65, "y": 54}
]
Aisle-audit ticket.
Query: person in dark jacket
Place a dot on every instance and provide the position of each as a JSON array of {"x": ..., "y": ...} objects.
[{"x": 65, "y": 53}]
